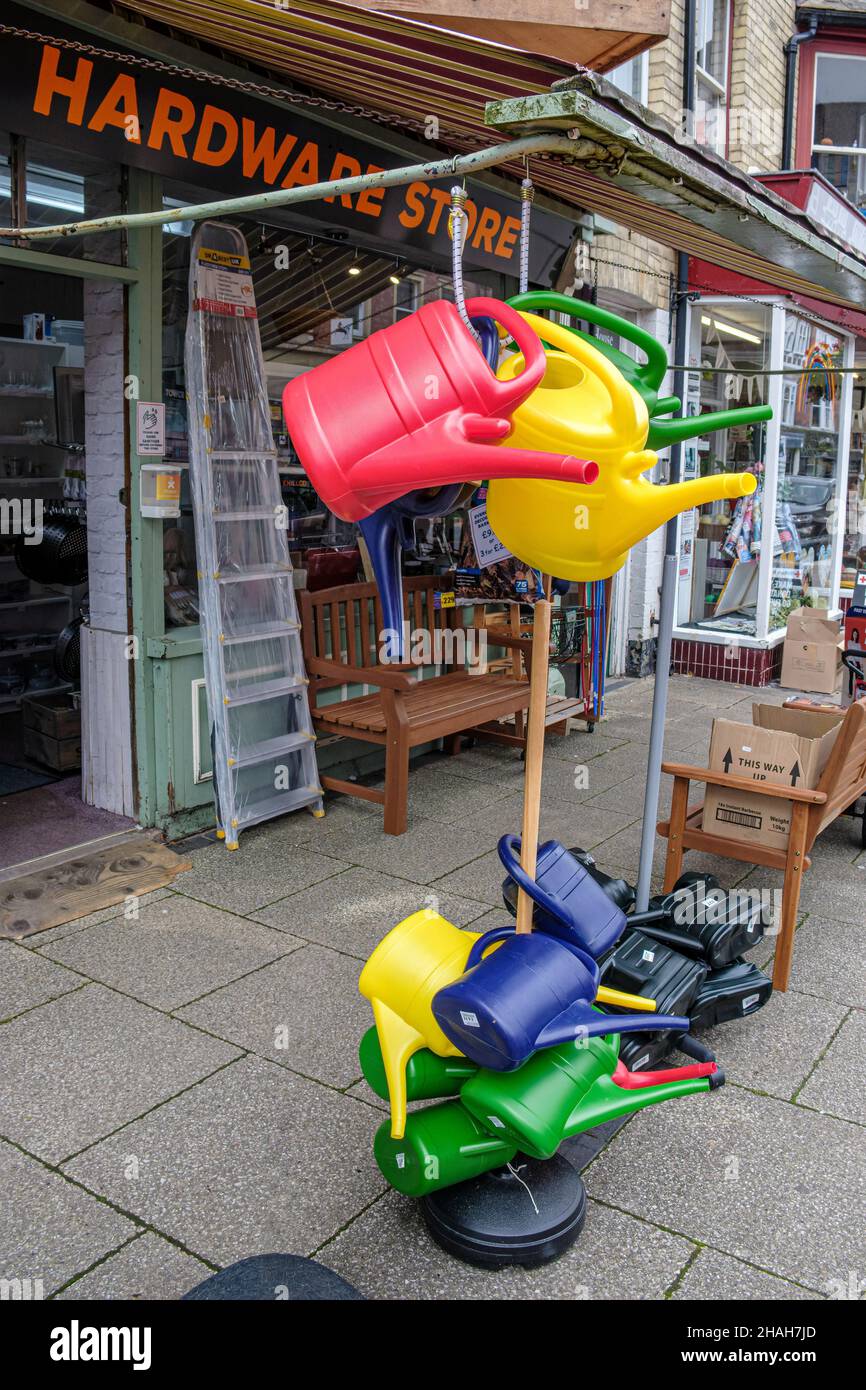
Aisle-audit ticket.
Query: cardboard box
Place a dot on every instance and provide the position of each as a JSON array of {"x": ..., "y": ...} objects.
[
  {"x": 812, "y": 656},
  {"x": 789, "y": 747}
]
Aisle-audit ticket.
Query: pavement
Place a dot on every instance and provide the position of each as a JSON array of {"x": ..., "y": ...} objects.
[{"x": 180, "y": 1088}]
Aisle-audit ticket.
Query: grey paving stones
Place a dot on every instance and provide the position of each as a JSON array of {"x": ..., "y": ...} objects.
[
  {"x": 481, "y": 879},
  {"x": 768, "y": 1182},
  {"x": 254, "y": 1159},
  {"x": 387, "y": 1254},
  {"x": 355, "y": 909},
  {"x": 427, "y": 850},
  {"x": 829, "y": 960},
  {"x": 775, "y": 1049},
  {"x": 264, "y": 874},
  {"x": 51, "y": 1228},
  {"x": 575, "y": 819},
  {"x": 79, "y": 1067},
  {"x": 438, "y": 793},
  {"x": 39, "y": 940},
  {"x": 27, "y": 980},
  {"x": 303, "y": 1012},
  {"x": 177, "y": 950},
  {"x": 836, "y": 1084},
  {"x": 149, "y": 1267},
  {"x": 714, "y": 1276}
]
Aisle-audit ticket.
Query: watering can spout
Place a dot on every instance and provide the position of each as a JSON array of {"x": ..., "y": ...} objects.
[
  {"x": 665, "y": 432},
  {"x": 666, "y": 502},
  {"x": 399, "y": 1041}
]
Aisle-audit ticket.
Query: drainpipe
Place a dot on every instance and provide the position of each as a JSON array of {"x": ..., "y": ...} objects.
[
  {"x": 667, "y": 604},
  {"x": 791, "y": 48}
]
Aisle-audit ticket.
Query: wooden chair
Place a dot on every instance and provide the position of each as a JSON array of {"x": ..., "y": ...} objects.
[
  {"x": 341, "y": 637},
  {"x": 842, "y": 783}
]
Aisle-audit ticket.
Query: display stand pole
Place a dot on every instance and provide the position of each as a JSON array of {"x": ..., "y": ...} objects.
[{"x": 534, "y": 765}]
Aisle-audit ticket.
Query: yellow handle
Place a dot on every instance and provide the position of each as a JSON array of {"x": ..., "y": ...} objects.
[
  {"x": 636, "y": 1002},
  {"x": 629, "y": 421}
]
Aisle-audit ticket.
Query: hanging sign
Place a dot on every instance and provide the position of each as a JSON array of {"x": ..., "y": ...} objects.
[
  {"x": 489, "y": 549},
  {"x": 214, "y": 137}
]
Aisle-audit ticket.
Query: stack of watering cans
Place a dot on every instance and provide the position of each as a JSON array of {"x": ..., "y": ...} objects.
[{"x": 503, "y": 1031}]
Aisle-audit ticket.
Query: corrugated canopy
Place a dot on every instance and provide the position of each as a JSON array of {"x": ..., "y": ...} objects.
[{"x": 403, "y": 73}]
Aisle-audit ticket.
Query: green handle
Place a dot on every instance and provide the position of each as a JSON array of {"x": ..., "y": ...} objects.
[
  {"x": 665, "y": 432},
  {"x": 651, "y": 373}
]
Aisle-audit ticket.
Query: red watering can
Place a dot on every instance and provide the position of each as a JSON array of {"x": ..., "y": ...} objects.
[{"x": 416, "y": 406}]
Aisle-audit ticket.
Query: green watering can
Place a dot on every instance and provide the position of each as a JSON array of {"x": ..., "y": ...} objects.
[
  {"x": 646, "y": 377},
  {"x": 558, "y": 1093}
]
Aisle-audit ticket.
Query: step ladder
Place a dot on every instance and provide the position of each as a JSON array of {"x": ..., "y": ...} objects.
[{"x": 261, "y": 731}]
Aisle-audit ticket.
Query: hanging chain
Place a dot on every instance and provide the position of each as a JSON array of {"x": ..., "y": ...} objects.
[{"x": 260, "y": 89}]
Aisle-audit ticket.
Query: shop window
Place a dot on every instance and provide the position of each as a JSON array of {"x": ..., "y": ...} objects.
[
  {"x": 839, "y": 128},
  {"x": 632, "y": 77},
  {"x": 407, "y": 295},
  {"x": 720, "y": 544},
  {"x": 63, "y": 188},
  {"x": 712, "y": 41},
  {"x": 854, "y": 556}
]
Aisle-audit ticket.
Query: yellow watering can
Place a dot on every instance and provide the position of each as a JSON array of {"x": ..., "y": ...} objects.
[
  {"x": 585, "y": 407},
  {"x": 418, "y": 957}
]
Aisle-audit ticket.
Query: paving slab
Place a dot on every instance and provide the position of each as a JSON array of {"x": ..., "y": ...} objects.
[
  {"x": 354, "y": 910},
  {"x": 487, "y": 762},
  {"x": 829, "y": 960},
  {"x": 258, "y": 873},
  {"x": 581, "y": 746},
  {"x": 437, "y": 793},
  {"x": 428, "y": 850},
  {"x": 148, "y": 1268},
  {"x": 836, "y": 1085},
  {"x": 771, "y": 1183},
  {"x": 717, "y": 1277},
  {"x": 303, "y": 1012},
  {"x": 178, "y": 949},
  {"x": 27, "y": 980},
  {"x": 40, "y": 939},
  {"x": 77, "y": 1068},
  {"x": 51, "y": 1228},
  {"x": 254, "y": 1159},
  {"x": 564, "y": 818},
  {"x": 387, "y": 1254},
  {"x": 480, "y": 880},
  {"x": 775, "y": 1049}
]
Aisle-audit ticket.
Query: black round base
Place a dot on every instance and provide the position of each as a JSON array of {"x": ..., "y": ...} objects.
[{"x": 491, "y": 1220}]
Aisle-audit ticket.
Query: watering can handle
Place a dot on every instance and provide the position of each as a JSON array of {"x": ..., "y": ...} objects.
[
  {"x": 508, "y": 850},
  {"x": 652, "y": 372},
  {"x": 627, "y": 407},
  {"x": 528, "y": 343}
]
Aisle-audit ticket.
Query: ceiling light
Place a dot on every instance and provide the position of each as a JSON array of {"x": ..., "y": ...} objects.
[
  {"x": 354, "y": 268},
  {"x": 729, "y": 328}
]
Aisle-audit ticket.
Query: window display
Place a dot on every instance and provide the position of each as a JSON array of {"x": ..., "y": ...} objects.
[{"x": 854, "y": 555}]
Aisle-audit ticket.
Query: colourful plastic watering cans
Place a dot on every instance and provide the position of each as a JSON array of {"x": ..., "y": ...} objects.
[
  {"x": 533, "y": 992},
  {"x": 400, "y": 979},
  {"x": 646, "y": 377},
  {"x": 570, "y": 904},
  {"x": 428, "y": 1077},
  {"x": 565, "y": 1090},
  {"x": 415, "y": 406},
  {"x": 585, "y": 533}
]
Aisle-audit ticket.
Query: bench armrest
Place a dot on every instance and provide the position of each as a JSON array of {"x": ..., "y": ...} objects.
[
  {"x": 380, "y": 676},
  {"x": 743, "y": 784},
  {"x": 498, "y": 637}
]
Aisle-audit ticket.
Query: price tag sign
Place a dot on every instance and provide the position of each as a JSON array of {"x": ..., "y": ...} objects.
[{"x": 489, "y": 549}]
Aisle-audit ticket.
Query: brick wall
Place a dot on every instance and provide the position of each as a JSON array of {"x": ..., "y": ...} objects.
[{"x": 761, "y": 28}]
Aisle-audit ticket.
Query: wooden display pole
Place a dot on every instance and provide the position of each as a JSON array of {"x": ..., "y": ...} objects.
[{"x": 535, "y": 730}]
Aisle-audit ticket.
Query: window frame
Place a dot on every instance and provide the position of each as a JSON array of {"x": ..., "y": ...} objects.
[{"x": 720, "y": 90}]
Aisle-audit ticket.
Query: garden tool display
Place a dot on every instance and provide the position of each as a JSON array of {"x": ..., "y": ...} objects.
[
  {"x": 584, "y": 403},
  {"x": 533, "y": 992},
  {"x": 413, "y": 406},
  {"x": 646, "y": 377}
]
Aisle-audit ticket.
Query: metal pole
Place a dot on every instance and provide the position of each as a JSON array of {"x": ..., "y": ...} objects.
[{"x": 285, "y": 197}]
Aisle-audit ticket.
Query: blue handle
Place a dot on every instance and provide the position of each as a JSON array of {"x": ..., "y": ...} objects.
[
  {"x": 500, "y": 933},
  {"x": 508, "y": 850}
]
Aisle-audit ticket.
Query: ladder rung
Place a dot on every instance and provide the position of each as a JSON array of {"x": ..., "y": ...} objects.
[
  {"x": 226, "y": 455},
  {"x": 253, "y": 514},
  {"x": 254, "y": 572},
  {"x": 277, "y": 805},
  {"x": 265, "y": 690},
  {"x": 261, "y": 634},
  {"x": 271, "y": 748}
]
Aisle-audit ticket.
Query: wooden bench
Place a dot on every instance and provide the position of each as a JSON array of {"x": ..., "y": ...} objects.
[
  {"x": 842, "y": 782},
  {"x": 341, "y": 641}
]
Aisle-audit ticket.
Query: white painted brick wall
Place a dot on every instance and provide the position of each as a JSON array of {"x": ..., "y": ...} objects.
[{"x": 104, "y": 436}]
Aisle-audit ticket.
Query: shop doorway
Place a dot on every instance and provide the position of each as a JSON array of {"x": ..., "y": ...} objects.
[{"x": 45, "y": 570}]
